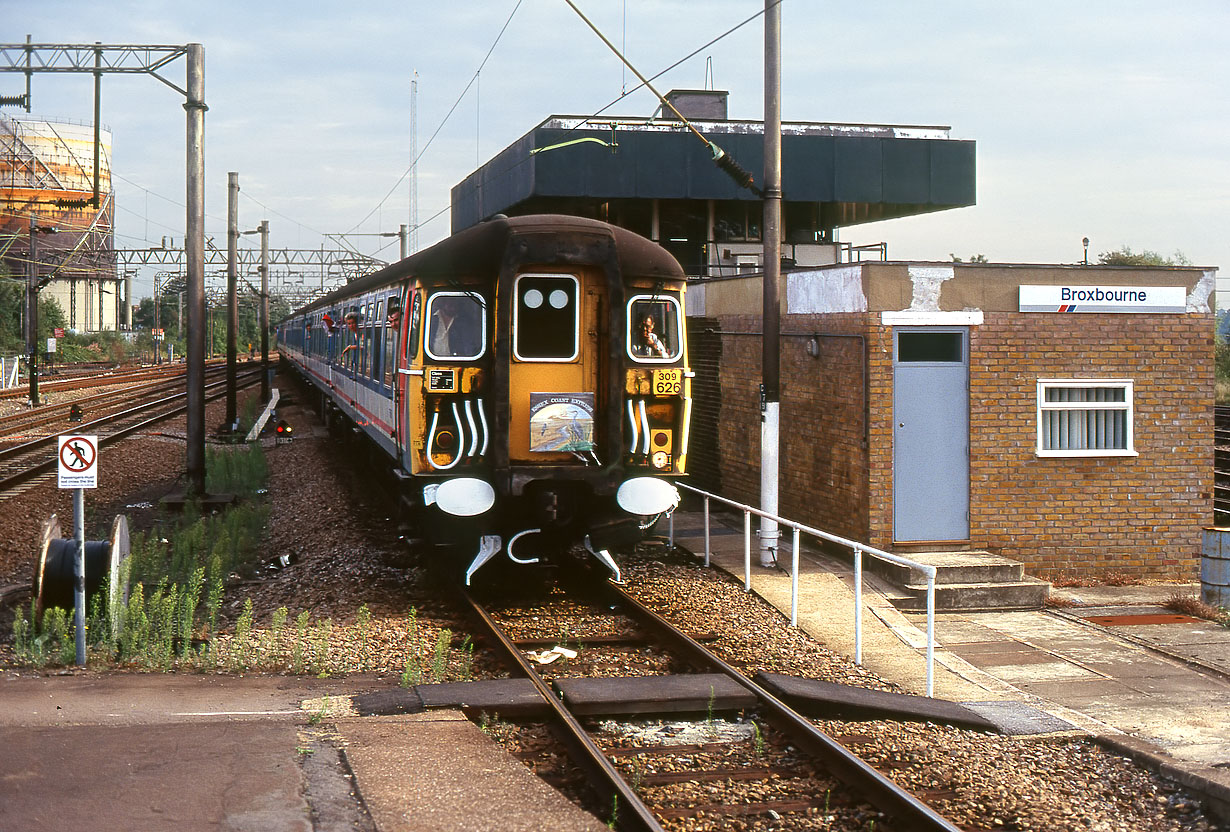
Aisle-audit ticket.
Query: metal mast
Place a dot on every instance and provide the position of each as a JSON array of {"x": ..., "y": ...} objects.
[
  {"x": 414, "y": 163},
  {"x": 97, "y": 59},
  {"x": 232, "y": 297},
  {"x": 771, "y": 354}
]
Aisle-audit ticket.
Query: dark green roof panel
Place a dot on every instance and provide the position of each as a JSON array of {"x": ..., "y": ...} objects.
[{"x": 876, "y": 172}]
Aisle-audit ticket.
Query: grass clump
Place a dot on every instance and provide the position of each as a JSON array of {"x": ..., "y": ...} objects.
[{"x": 1196, "y": 608}]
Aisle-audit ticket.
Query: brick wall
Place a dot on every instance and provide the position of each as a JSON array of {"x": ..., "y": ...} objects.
[
  {"x": 1141, "y": 516},
  {"x": 822, "y": 450}
]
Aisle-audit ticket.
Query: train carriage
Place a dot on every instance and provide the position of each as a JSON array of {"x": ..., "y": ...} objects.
[{"x": 527, "y": 377}]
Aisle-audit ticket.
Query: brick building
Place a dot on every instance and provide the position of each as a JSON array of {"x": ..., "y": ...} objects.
[{"x": 935, "y": 407}]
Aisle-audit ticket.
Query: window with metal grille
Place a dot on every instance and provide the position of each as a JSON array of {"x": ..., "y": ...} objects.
[{"x": 1085, "y": 418}]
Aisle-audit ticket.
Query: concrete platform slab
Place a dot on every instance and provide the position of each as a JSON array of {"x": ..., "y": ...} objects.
[
  {"x": 1009, "y": 658},
  {"x": 1082, "y": 693},
  {"x": 958, "y": 629},
  {"x": 1216, "y": 656},
  {"x": 988, "y": 648},
  {"x": 1049, "y": 671},
  {"x": 1181, "y": 686},
  {"x": 437, "y": 772},
  {"x": 1173, "y": 634},
  {"x": 148, "y": 778}
]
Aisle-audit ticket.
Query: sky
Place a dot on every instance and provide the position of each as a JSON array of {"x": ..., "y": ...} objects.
[{"x": 1107, "y": 120}]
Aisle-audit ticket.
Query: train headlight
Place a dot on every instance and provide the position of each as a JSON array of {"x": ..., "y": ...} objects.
[
  {"x": 647, "y": 496},
  {"x": 461, "y": 497}
]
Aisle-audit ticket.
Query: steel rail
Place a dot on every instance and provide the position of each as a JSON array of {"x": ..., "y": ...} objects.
[
  {"x": 26, "y": 420},
  {"x": 632, "y": 813},
  {"x": 877, "y": 789},
  {"x": 91, "y": 381},
  {"x": 13, "y": 480}
]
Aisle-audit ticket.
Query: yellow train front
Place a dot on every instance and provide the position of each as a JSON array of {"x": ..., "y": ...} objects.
[{"x": 540, "y": 391}]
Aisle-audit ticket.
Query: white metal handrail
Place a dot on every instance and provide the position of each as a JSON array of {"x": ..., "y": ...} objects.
[{"x": 858, "y": 548}]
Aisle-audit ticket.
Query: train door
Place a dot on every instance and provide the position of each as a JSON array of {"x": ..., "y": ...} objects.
[
  {"x": 411, "y": 407},
  {"x": 555, "y": 399}
]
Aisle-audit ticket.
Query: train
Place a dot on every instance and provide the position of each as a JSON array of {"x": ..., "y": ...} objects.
[{"x": 527, "y": 379}]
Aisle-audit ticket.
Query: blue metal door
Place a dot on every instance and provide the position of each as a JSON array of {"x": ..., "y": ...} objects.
[{"x": 930, "y": 434}]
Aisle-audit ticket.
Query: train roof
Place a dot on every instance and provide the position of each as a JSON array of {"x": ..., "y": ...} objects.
[{"x": 480, "y": 249}]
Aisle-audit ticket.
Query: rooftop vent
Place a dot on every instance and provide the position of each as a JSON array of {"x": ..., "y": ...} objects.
[{"x": 702, "y": 105}]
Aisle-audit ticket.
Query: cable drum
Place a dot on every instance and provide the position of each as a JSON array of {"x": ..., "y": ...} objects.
[
  {"x": 58, "y": 570},
  {"x": 54, "y": 570}
]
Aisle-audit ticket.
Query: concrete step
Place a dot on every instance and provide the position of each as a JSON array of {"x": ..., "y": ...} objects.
[
  {"x": 966, "y": 567},
  {"x": 1025, "y": 594},
  {"x": 964, "y": 580}
]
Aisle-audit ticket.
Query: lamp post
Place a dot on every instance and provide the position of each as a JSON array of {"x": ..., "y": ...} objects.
[
  {"x": 32, "y": 307},
  {"x": 1086, "y": 243}
]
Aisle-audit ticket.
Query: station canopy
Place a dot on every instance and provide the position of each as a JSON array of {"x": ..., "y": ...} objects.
[{"x": 615, "y": 168}]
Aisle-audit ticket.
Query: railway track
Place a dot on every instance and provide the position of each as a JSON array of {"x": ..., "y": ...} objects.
[
  {"x": 76, "y": 381},
  {"x": 22, "y": 462},
  {"x": 787, "y": 769},
  {"x": 152, "y": 382}
]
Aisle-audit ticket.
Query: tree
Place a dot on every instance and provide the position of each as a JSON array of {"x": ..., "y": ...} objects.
[
  {"x": 1126, "y": 257},
  {"x": 13, "y": 316},
  {"x": 974, "y": 258}
]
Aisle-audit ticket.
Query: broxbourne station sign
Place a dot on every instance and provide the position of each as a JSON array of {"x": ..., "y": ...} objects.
[{"x": 1171, "y": 300}]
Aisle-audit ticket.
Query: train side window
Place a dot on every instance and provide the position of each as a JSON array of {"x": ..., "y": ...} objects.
[
  {"x": 456, "y": 326},
  {"x": 369, "y": 338},
  {"x": 392, "y": 329},
  {"x": 350, "y": 348},
  {"x": 654, "y": 328},
  {"x": 547, "y": 317},
  {"x": 363, "y": 340}
]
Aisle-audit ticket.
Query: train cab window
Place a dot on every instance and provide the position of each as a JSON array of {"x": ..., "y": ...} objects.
[
  {"x": 456, "y": 326},
  {"x": 412, "y": 330},
  {"x": 547, "y": 317},
  {"x": 654, "y": 326}
]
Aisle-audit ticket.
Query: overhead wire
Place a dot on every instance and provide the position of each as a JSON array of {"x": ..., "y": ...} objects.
[
  {"x": 414, "y": 162},
  {"x": 516, "y": 165}
]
